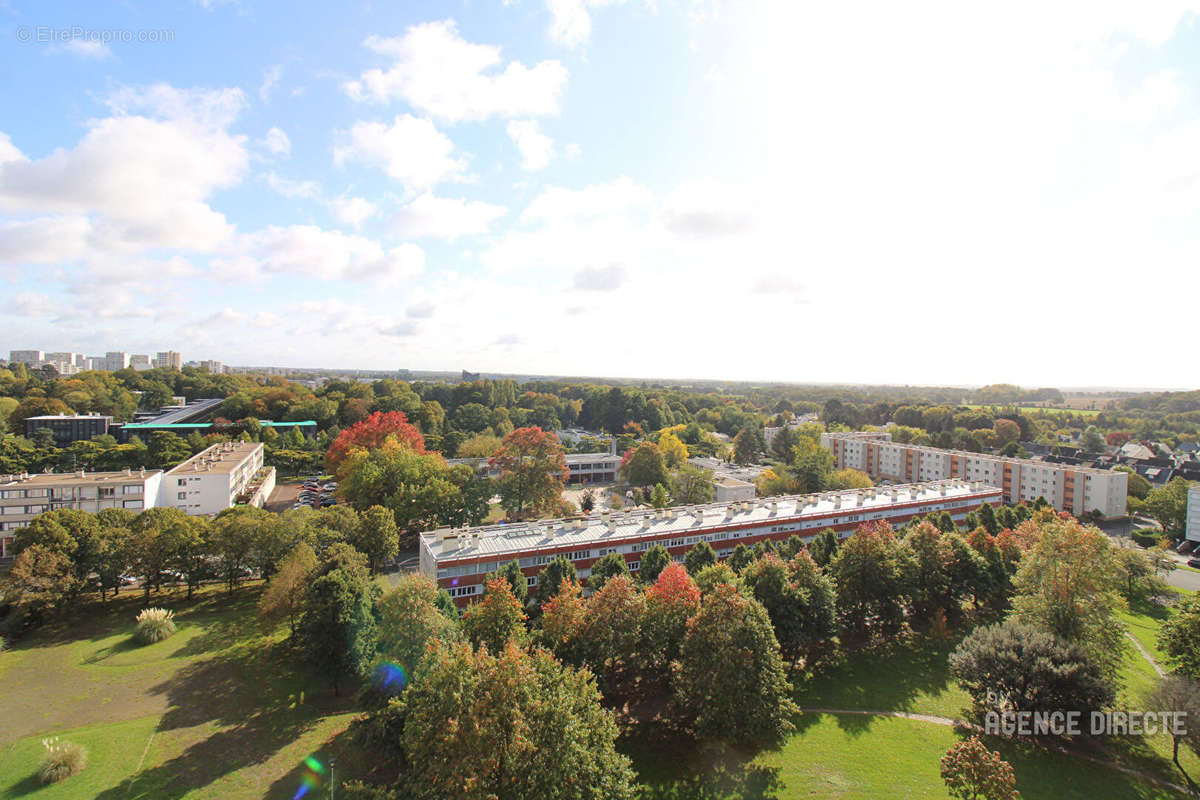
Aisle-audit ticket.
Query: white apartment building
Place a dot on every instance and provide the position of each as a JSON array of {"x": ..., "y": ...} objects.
[
  {"x": 23, "y": 497},
  {"x": 115, "y": 360},
  {"x": 217, "y": 478},
  {"x": 1193, "y": 513},
  {"x": 1078, "y": 490},
  {"x": 727, "y": 489},
  {"x": 168, "y": 359},
  {"x": 30, "y": 358},
  {"x": 139, "y": 362}
]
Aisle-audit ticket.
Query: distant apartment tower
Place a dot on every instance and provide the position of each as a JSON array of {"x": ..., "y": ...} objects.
[
  {"x": 115, "y": 360},
  {"x": 1079, "y": 490},
  {"x": 139, "y": 362},
  {"x": 23, "y": 497},
  {"x": 30, "y": 358},
  {"x": 218, "y": 478},
  {"x": 1193, "y": 513},
  {"x": 65, "y": 363},
  {"x": 168, "y": 359},
  {"x": 213, "y": 367}
]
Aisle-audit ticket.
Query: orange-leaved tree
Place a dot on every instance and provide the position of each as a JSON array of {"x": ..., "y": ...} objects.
[
  {"x": 371, "y": 433},
  {"x": 533, "y": 470}
]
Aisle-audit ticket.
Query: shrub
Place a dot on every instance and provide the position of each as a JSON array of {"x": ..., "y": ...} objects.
[
  {"x": 154, "y": 625},
  {"x": 62, "y": 760},
  {"x": 1147, "y": 537}
]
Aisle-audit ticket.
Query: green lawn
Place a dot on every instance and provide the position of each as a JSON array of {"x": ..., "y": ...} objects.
[
  {"x": 1086, "y": 412},
  {"x": 219, "y": 710}
]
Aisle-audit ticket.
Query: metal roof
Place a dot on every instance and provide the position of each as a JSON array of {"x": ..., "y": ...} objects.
[{"x": 605, "y": 528}]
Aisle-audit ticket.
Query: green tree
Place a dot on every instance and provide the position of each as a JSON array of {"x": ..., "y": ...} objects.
[
  {"x": 337, "y": 630},
  {"x": 1179, "y": 638},
  {"x": 798, "y": 597},
  {"x": 1092, "y": 441},
  {"x": 659, "y": 497},
  {"x": 972, "y": 772},
  {"x": 1013, "y": 666},
  {"x": 742, "y": 557},
  {"x": 496, "y": 619},
  {"x": 731, "y": 681},
  {"x": 987, "y": 518},
  {"x": 700, "y": 556},
  {"x": 1180, "y": 695},
  {"x": 691, "y": 485},
  {"x": 411, "y": 622},
  {"x": 552, "y": 577},
  {"x": 1168, "y": 505},
  {"x": 44, "y": 580},
  {"x": 812, "y": 469},
  {"x": 533, "y": 470},
  {"x": 166, "y": 449},
  {"x": 376, "y": 536},
  {"x": 527, "y": 728},
  {"x": 824, "y": 547},
  {"x": 645, "y": 466},
  {"x": 654, "y": 561},
  {"x": 608, "y": 566},
  {"x": 512, "y": 573},
  {"x": 708, "y": 578},
  {"x": 873, "y": 573},
  {"x": 234, "y": 532},
  {"x": 284, "y": 596},
  {"x": 745, "y": 447}
]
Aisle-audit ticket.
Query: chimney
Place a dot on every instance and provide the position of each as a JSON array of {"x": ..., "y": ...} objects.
[{"x": 612, "y": 446}]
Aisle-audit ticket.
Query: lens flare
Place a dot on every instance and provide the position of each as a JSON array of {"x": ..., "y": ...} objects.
[
  {"x": 390, "y": 676},
  {"x": 311, "y": 779}
]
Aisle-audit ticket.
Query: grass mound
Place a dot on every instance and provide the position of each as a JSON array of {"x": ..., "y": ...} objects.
[{"x": 154, "y": 625}]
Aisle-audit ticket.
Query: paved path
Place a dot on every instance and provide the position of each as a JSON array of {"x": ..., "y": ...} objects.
[
  {"x": 1145, "y": 654},
  {"x": 947, "y": 721}
]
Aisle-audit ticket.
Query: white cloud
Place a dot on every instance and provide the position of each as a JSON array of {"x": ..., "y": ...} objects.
[
  {"x": 308, "y": 190},
  {"x": 87, "y": 48},
  {"x": 277, "y": 142},
  {"x": 209, "y": 109},
  {"x": 309, "y": 251},
  {"x": 600, "y": 279},
  {"x": 445, "y": 217},
  {"x": 352, "y": 210},
  {"x": 616, "y": 197},
  {"x": 271, "y": 76},
  {"x": 411, "y": 150},
  {"x": 707, "y": 208},
  {"x": 436, "y": 71},
  {"x": 570, "y": 22},
  {"x": 536, "y": 148}
]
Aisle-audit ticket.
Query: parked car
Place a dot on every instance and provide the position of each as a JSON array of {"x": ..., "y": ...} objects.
[{"x": 1194, "y": 562}]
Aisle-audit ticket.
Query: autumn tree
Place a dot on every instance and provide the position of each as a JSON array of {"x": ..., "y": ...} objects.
[
  {"x": 798, "y": 597},
  {"x": 517, "y": 583},
  {"x": 533, "y": 470},
  {"x": 1179, "y": 639},
  {"x": 410, "y": 623},
  {"x": 674, "y": 451},
  {"x": 731, "y": 682},
  {"x": 708, "y": 578},
  {"x": 659, "y": 498},
  {"x": 972, "y": 772},
  {"x": 872, "y": 571},
  {"x": 553, "y": 576},
  {"x": 700, "y": 556},
  {"x": 525, "y": 728},
  {"x": 376, "y": 536},
  {"x": 284, "y": 596},
  {"x": 496, "y": 619},
  {"x": 44, "y": 580},
  {"x": 691, "y": 485},
  {"x": 670, "y": 601},
  {"x": 608, "y": 566},
  {"x": 654, "y": 561},
  {"x": 371, "y": 433},
  {"x": 613, "y": 634}
]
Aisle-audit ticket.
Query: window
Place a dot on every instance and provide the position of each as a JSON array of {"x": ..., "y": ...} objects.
[
  {"x": 580, "y": 555},
  {"x": 634, "y": 566},
  {"x": 181, "y": 482},
  {"x": 108, "y": 491},
  {"x": 463, "y": 591},
  {"x": 531, "y": 580},
  {"x": 131, "y": 488},
  {"x": 675, "y": 543},
  {"x": 640, "y": 547},
  {"x": 181, "y": 496}
]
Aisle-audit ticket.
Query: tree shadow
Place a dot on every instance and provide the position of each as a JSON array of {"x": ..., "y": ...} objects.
[
  {"x": 27, "y": 785},
  {"x": 670, "y": 766},
  {"x": 887, "y": 677},
  {"x": 123, "y": 646},
  {"x": 352, "y": 763}
]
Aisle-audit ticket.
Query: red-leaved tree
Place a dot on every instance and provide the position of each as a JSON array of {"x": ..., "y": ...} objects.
[
  {"x": 371, "y": 433},
  {"x": 533, "y": 470}
]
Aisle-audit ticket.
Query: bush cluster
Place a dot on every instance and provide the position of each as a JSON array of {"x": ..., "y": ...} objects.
[
  {"x": 62, "y": 760},
  {"x": 154, "y": 625}
]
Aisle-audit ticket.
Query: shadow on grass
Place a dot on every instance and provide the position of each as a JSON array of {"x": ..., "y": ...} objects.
[
  {"x": 887, "y": 677},
  {"x": 352, "y": 764},
  {"x": 671, "y": 767},
  {"x": 27, "y": 785},
  {"x": 123, "y": 646}
]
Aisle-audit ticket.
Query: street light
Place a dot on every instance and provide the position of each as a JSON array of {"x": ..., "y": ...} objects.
[{"x": 332, "y": 780}]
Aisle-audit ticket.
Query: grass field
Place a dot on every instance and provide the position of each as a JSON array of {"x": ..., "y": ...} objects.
[
  {"x": 219, "y": 710},
  {"x": 1042, "y": 410}
]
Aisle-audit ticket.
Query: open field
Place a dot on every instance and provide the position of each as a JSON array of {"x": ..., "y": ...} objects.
[
  {"x": 219, "y": 710},
  {"x": 1042, "y": 409}
]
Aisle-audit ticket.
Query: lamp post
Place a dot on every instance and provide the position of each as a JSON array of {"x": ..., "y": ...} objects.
[{"x": 332, "y": 779}]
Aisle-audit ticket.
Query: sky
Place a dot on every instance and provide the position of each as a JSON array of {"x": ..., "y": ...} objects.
[{"x": 922, "y": 193}]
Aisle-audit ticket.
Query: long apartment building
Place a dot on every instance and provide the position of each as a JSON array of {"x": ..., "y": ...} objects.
[
  {"x": 219, "y": 477},
  {"x": 1079, "y": 490},
  {"x": 24, "y": 496},
  {"x": 459, "y": 559}
]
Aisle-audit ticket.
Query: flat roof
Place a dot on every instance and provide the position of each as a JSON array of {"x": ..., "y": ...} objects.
[
  {"x": 729, "y": 480},
  {"x": 69, "y": 416},
  {"x": 604, "y": 528},
  {"x": 191, "y": 409},
  {"x": 217, "y": 460},
  {"x": 308, "y": 423},
  {"x": 581, "y": 458},
  {"x": 50, "y": 479}
]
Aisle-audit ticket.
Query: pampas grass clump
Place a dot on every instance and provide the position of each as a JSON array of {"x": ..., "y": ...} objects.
[
  {"x": 62, "y": 760},
  {"x": 154, "y": 625}
]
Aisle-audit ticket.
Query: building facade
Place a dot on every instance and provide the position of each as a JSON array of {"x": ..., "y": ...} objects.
[
  {"x": 727, "y": 489},
  {"x": 115, "y": 360},
  {"x": 23, "y": 497},
  {"x": 218, "y": 478},
  {"x": 458, "y": 559},
  {"x": 1192, "y": 531},
  {"x": 30, "y": 358},
  {"x": 168, "y": 359},
  {"x": 592, "y": 467},
  {"x": 67, "y": 429},
  {"x": 1079, "y": 490}
]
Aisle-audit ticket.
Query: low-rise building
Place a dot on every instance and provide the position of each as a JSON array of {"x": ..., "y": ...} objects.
[
  {"x": 460, "y": 558},
  {"x": 593, "y": 467},
  {"x": 217, "y": 478},
  {"x": 67, "y": 429},
  {"x": 23, "y": 497},
  {"x": 727, "y": 489},
  {"x": 1079, "y": 490}
]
